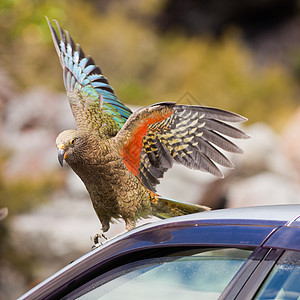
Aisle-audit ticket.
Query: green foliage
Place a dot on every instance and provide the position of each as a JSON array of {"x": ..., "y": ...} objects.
[
  {"x": 223, "y": 74},
  {"x": 24, "y": 38},
  {"x": 144, "y": 65}
]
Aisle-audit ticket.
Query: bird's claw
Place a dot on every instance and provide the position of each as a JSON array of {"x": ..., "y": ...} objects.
[{"x": 98, "y": 239}]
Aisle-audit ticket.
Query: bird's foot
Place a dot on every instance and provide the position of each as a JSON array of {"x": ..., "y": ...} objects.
[{"x": 99, "y": 239}]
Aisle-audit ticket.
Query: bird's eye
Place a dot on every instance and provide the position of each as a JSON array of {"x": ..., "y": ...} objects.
[{"x": 72, "y": 141}]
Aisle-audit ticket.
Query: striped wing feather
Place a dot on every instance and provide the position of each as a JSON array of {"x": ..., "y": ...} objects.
[
  {"x": 183, "y": 134},
  {"x": 92, "y": 99}
]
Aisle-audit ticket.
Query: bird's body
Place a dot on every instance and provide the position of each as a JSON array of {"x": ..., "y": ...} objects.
[
  {"x": 115, "y": 192},
  {"x": 120, "y": 155}
]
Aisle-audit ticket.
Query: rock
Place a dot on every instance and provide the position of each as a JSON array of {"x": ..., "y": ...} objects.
[
  {"x": 183, "y": 184},
  {"x": 32, "y": 122},
  {"x": 265, "y": 188},
  {"x": 12, "y": 281},
  {"x": 59, "y": 227},
  {"x": 3, "y": 213},
  {"x": 250, "y": 183},
  {"x": 7, "y": 91},
  {"x": 264, "y": 151},
  {"x": 291, "y": 141},
  {"x": 54, "y": 234}
]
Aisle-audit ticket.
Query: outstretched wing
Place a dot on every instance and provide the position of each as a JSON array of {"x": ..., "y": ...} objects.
[
  {"x": 158, "y": 135},
  {"x": 94, "y": 105}
]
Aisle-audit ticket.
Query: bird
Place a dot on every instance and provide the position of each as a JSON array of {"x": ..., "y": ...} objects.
[{"x": 121, "y": 155}]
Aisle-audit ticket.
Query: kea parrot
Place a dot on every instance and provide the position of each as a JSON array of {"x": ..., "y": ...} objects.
[{"x": 120, "y": 155}]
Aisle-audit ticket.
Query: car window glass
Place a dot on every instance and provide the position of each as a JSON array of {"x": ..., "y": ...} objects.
[
  {"x": 284, "y": 280},
  {"x": 185, "y": 275}
]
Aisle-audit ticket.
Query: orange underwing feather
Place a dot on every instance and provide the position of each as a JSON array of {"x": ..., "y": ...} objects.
[{"x": 132, "y": 150}]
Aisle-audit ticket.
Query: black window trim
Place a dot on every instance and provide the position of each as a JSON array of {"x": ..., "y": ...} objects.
[
  {"x": 238, "y": 281},
  {"x": 248, "y": 288}
]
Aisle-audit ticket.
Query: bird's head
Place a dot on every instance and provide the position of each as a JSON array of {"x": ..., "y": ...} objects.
[{"x": 65, "y": 143}]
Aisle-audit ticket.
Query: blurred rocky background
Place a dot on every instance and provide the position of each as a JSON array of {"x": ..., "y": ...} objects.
[{"x": 238, "y": 55}]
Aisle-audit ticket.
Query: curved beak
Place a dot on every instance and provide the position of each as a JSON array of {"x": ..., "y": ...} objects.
[{"x": 61, "y": 155}]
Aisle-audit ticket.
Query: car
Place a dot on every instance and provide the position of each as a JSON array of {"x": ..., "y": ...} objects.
[{"x": 236, "y": 253}]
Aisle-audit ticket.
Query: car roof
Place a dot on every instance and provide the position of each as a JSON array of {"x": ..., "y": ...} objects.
[
  {"x": 265, "y": 215},
  {"x": 258, "y": 223},
  {"x": 286, "y": 212}
]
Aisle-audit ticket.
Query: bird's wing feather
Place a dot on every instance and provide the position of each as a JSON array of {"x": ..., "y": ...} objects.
[
  {"x": 157, "y": 136},
  {"x": 94, "y": 105}
]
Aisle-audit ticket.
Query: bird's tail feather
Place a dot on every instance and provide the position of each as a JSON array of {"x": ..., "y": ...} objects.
[{"x": 167, "y": 208}]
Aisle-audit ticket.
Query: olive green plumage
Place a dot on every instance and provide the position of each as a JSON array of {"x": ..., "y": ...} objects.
[{"x": 120, "y": 155}]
